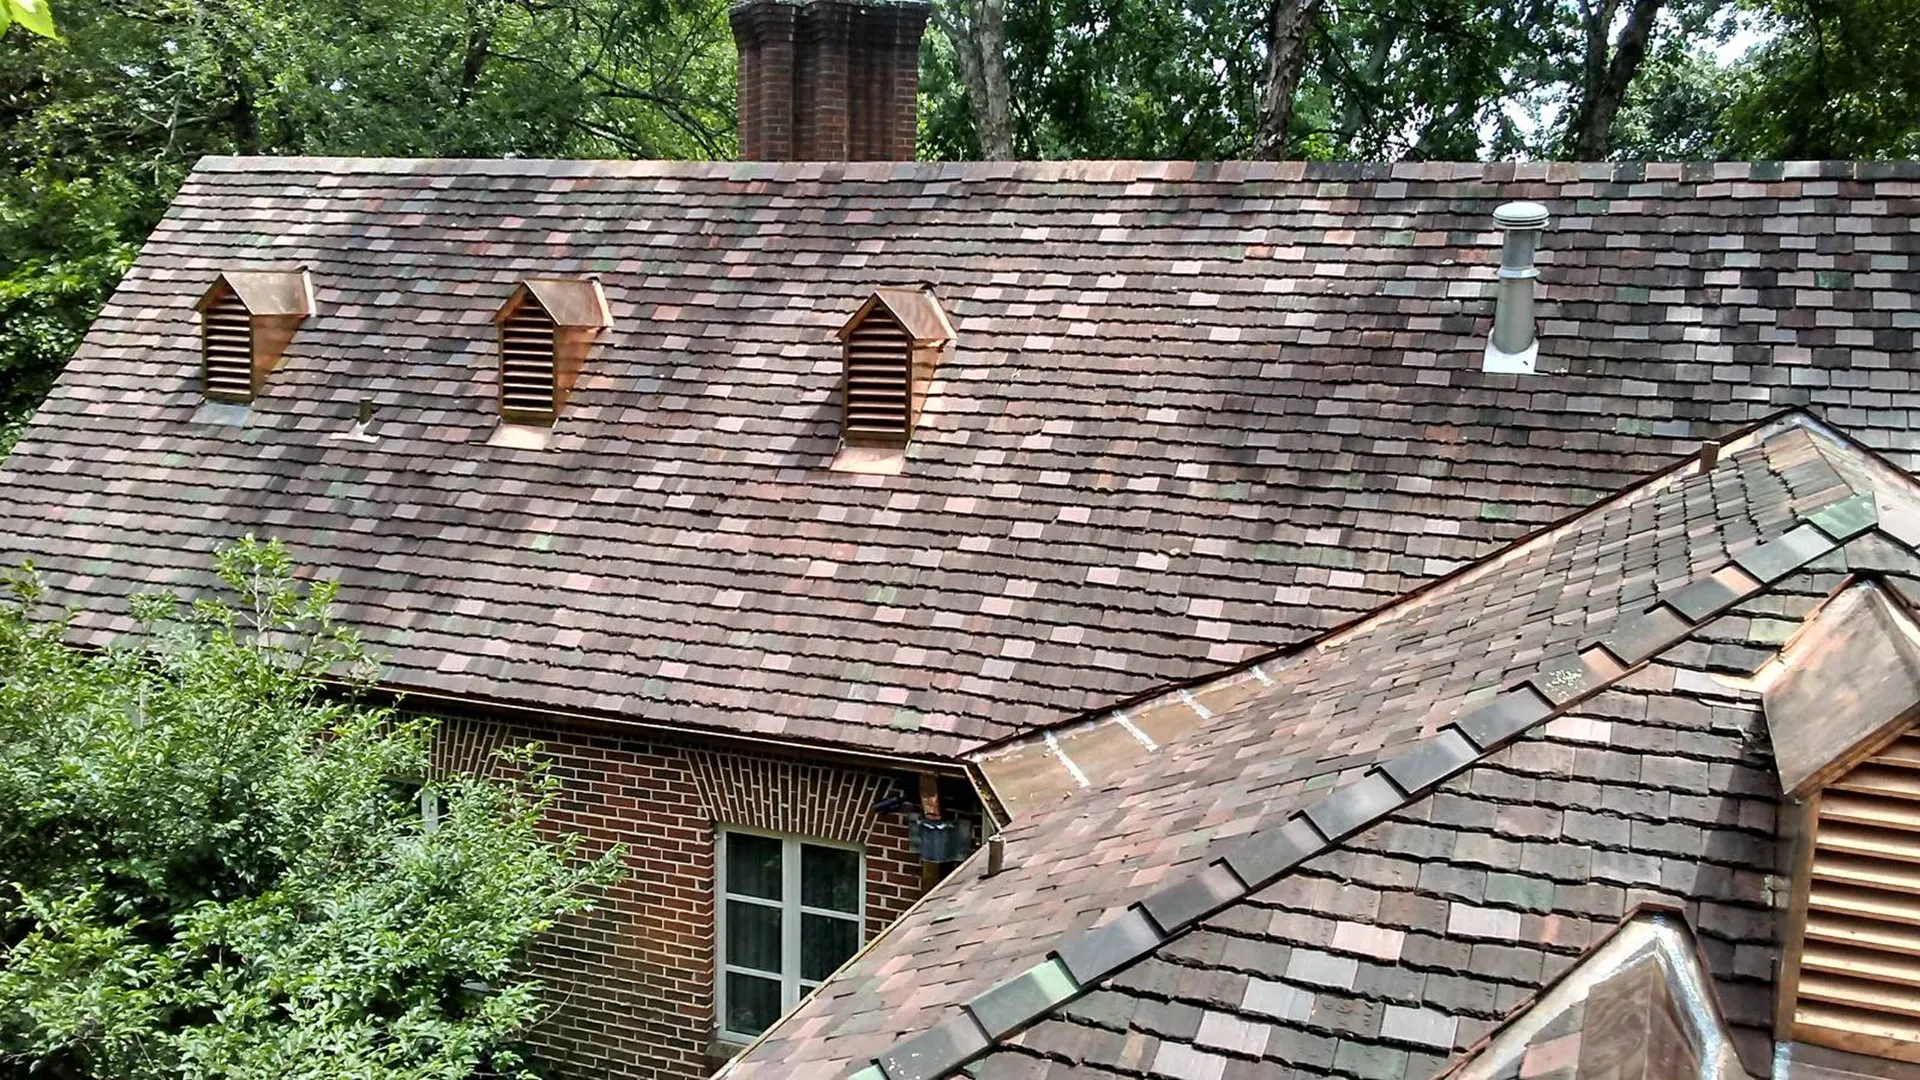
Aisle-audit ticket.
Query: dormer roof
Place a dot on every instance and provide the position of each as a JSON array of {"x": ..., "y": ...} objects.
[
  {"x": 914, "y": 308},
  {"x": 1849, "y": 684},
  {"x": 272, "y": 293},
  {"x": 574, "y": 303}
]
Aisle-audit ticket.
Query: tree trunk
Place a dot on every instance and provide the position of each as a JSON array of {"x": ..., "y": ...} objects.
[
  {"x": 1362, "y": 95},
  {"x": 1589, "y": 134},
  {"x": 1287, "y": 24},
  {"x": 977, "y": 30},
  {"x": 479, "y": 49}
]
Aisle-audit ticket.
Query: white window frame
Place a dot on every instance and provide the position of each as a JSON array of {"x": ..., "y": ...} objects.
[{"x": 792, "y": 987}]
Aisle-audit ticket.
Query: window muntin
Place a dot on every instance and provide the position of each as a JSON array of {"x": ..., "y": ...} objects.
[{"x": 791, "y": 911}]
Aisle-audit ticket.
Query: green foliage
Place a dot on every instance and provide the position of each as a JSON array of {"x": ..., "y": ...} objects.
[
  {"x": 215, "y": 867},
  {"x": 1677, "y": 110},
  {"x": 1133, "y": 78},
  {"x": 1835, "y": 79},
  {"x": 101, "y": 127},
  {"x": 34, "y": 16},
  {"x": 1385, "y": 79}
]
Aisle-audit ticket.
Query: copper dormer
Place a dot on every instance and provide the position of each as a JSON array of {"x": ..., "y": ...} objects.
[
  {"x": 247, "y": 319},
  {"x": 1843, "y": 716},
  {"x": 891, "y": 346},
  {"x": 546, "y": 328}
]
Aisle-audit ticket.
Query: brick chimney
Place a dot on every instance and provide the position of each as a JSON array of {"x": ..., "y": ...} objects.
[{"x": 828, "y": 80}]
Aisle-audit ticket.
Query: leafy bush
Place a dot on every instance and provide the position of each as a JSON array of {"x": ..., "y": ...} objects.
[{"x": 215, "y": 863}]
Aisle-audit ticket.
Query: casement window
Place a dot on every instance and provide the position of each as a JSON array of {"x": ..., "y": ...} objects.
[{"x": 791, "y": 911}]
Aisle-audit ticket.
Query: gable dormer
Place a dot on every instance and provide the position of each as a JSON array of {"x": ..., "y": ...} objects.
[
  {"x": 1844, "y": 719},
  {"x": 891, "y": 346},
  {"x": 545, "y": 331},
  {"x": 247, "y": 320}
]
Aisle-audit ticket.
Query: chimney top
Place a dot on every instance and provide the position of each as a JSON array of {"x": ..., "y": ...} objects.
[{"x": 828, "y": 80}]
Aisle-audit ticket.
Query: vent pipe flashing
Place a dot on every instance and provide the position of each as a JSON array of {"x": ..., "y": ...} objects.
[{"x": 1513, "y": 345}]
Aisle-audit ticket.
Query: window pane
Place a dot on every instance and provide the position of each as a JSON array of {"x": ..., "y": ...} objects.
[
  {"x": 753, "y": 936},
  {"x": 830, "y": 878},
  {"x": 753, "y": 1003},
  {"x": 825, "y": 944},
  {"x": 753, "y": 865}
]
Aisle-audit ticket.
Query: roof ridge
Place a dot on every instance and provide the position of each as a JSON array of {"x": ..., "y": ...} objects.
[
  {"x": 1854, "y": 460},
  {"x": 1093, "y": 170},
  {"x": 1082, "y": 961}
]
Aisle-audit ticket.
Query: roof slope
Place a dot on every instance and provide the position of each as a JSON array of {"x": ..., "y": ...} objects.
[
  {"x": 1397, "y": 950},
  {"x": 1193, "y": 412},
  {"x": 1367, "y": 695}
]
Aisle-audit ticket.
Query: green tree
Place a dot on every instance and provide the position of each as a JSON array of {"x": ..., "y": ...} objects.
[
  {"x": 100, "y": 127},
  {"x": 1329, "y": 79},
  {"x": 1833, "y": 79},
  {"x": 1678, "y": 110},
  {"x": 214, "y": 865}
]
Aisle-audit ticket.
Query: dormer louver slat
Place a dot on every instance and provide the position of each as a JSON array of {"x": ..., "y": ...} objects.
[
  {"x": 227, "y": 346},
  {"x": 528, "y": 372},
  {"x": 1860, "y": 950},
  {"x": 879, "y": 379}
]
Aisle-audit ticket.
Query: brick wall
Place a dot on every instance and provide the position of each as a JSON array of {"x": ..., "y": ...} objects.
[{"x": 632, "y": 982}]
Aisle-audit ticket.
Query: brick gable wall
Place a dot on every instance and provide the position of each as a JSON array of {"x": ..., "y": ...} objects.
[{"x": 631, "y": 983}]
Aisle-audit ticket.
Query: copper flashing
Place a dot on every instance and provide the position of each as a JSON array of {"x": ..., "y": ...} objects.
[
  {"x": 1849, "y": 683},
  {"x": 916, "y": 309},
  {"x": 1639, "y": 1004}
]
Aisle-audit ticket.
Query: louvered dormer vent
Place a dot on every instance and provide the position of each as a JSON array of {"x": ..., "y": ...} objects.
[
  {"x": 891, "y": 346},
  {"x": 879, "y": 380},
  {"x": 529, "y": 382},
  {"x": 247, "y": 320},
  {"x": 546, "y": 329},
  {"x": 1860, "y": 957},
  {"x": 226, "y": 349},
  {"x": 1842, "y": 718}
]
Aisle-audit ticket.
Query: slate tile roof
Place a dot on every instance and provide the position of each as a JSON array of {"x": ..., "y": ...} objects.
[
  {"x": 1470, "y": 883},
  {"x": 1194, "y": 412}
]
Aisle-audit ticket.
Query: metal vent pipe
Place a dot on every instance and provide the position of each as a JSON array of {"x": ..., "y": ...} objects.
[{"x": 1513, "y": 345}]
